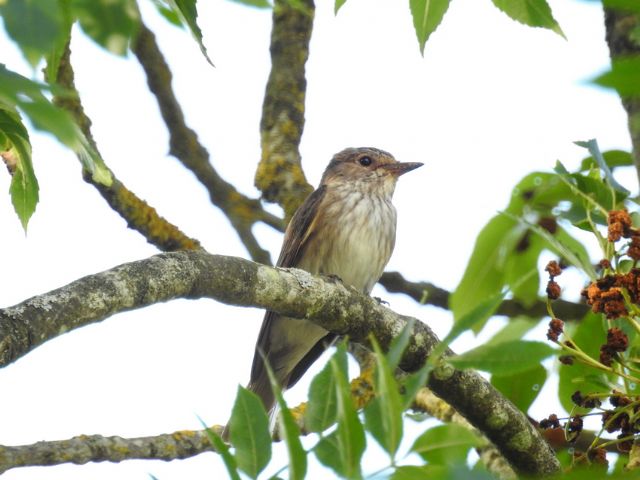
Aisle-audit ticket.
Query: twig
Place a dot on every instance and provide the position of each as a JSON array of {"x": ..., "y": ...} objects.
[
  {"x": 96, "y": 448},
  {"x": 429, "y": 294},
  {"x": 242, "y": 211},
  {"x": 139, "y": 215}
]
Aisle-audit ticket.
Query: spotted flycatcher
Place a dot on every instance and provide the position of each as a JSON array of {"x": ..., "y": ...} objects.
[{"x": 347, "y": 228}]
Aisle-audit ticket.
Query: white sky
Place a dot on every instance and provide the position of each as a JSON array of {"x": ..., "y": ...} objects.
[{"x": 490, "y": 101}]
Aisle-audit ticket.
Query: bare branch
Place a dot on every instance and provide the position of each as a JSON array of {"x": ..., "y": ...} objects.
[
  {"x": 279, "y": 175},
  {"x": 96, "y": 448},
  {"x": 242, "y": 211},
  {"x": 139, "y": 215},
  {"x": 430, "y": 294},
  {"x": 291, "y": 292}
]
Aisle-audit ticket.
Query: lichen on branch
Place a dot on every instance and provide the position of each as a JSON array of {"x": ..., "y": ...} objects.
[
  {"x": 291, "y": 292},
  {"x": 279, "y": 175}
]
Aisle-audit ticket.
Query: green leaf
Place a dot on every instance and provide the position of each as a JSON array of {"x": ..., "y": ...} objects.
[
  {"x": 562, "y": 244},
  {"x": 505, "y": 358},
  {"x": 350, "y": 436},
  {"x": 34, "y": 25},
  {"x": 410, "y": 472},
  {"x": 594, "y": 150},
  {"x": 472, "y": 319},
  {"x": 439, "y": 472},
  {"x": 57, "y": 48},
  {"x": 289, "y": 432},
  {"x": 223, "y": 450},
  {"x": 168, "y": 14},
  {"x": 427, "y": 15},
  {"x": 384, "y": 414},
  {"x": 540, "y": 192},
  {"x": 613, "y": 158},
  {"x": 188, "y": 12},
  {"x": 521, "y": 388},
  {"x": 254, "y": 3},
  {"x": 413, "y": 383},
  {"x": 624, "y": 76},
  {"x": 484, "y": 276},
  {"x": 15, "y": 148},
  {"x": 338, "y": 5},
  {"x": 249, "y": 433},
  {"x": 624, "y": 5},
  {"x": 110, "y": 23},
  {"x": 445, "y": 444},
  {"x": 589, "y": 334},
  {"x": 399, "y": 345},
  {"x": 534, "y": 13},
  {"x": 327, "y": 451},
  {"x": 322, "y": 407},
  {"x": 28, "y": 96},
  {"x": 46, "y": 116},
  {"x": 520, "y": 269},
  {"x": 513, "y": 330}
]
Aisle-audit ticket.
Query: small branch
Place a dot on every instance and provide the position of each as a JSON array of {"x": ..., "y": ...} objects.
[
  {"x": 279, "y": 175},
  {"x": 242, "y": 211},
  {"x": 139, "y": 215},
  {"x": 290, "y": 292},
  {"x": 622, "y": 38},
  {"x": 429, "y": 294},
  {"x": 96, "y": 448}
]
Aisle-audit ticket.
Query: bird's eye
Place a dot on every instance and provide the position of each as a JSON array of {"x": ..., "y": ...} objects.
[{"x": 365, "y": 161}]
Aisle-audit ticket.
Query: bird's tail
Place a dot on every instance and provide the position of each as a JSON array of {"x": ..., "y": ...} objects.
[{"x": 261, "y": 386}]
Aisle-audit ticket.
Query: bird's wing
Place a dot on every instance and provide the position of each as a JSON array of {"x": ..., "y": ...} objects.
[{"x": 303, "y": 221}]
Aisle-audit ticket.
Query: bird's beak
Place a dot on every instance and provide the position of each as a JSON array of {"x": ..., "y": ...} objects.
[{"x": 400, "y": 168}]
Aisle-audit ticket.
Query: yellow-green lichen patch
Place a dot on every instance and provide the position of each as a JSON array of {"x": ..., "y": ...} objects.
[
  {"x": 521, "y": 441},
  {"x": 362, "y": 387},
  {"x": 443, "y": 371},
  {"x": 144, "y": 218},
  {"x": 497, "y": 419}
]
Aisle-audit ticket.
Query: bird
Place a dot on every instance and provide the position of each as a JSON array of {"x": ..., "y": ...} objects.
[{"x": 346, "y": 228}]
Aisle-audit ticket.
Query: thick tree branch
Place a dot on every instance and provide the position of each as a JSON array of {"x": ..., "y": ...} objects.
[
  {"x": 243, "y": 212},
  {"x": 294, "y": 293},
  {"x": 279, "y": 175},
  {"x": 429, "y": 294},
  {"x": 622, "y": 38},
  {"x": 138, "y": 214}
]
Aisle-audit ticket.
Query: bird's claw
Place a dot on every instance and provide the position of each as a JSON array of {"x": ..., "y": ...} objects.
[{"x": 381, "y": 301}]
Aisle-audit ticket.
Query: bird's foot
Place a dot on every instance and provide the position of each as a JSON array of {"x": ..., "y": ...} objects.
[
  {"x": 334, "y": 278},
  {"x": 381, "y": 301}
]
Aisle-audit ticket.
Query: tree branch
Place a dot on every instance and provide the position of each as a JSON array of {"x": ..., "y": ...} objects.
[
  {"x": 621, "y": 34},
  {"x": 96, "y": 448},
  {"x": 279, "y": 175},
  {"x": 291, "y": 292},
  {"x": 242, "y": 212},
  {"x": 138, "y": 214},
  {"x": 494, "y": 462},
  {"x": 429, "y": 294}
]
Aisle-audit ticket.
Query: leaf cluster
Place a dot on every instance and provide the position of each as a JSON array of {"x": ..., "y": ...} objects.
[{"x": 341, "y": 434}]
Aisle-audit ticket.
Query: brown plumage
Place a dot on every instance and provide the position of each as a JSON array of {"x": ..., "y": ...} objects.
[{"x": 345, "y": 228}]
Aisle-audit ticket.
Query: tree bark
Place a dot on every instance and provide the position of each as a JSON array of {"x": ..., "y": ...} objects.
[{"x": 291, "y": 292}]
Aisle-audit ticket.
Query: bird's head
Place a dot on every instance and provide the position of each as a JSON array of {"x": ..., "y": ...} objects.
[{"x": 366, "y": 168}]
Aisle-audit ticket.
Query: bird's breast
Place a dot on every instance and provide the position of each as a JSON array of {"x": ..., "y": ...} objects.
[{"x": 353, "y": 239}]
